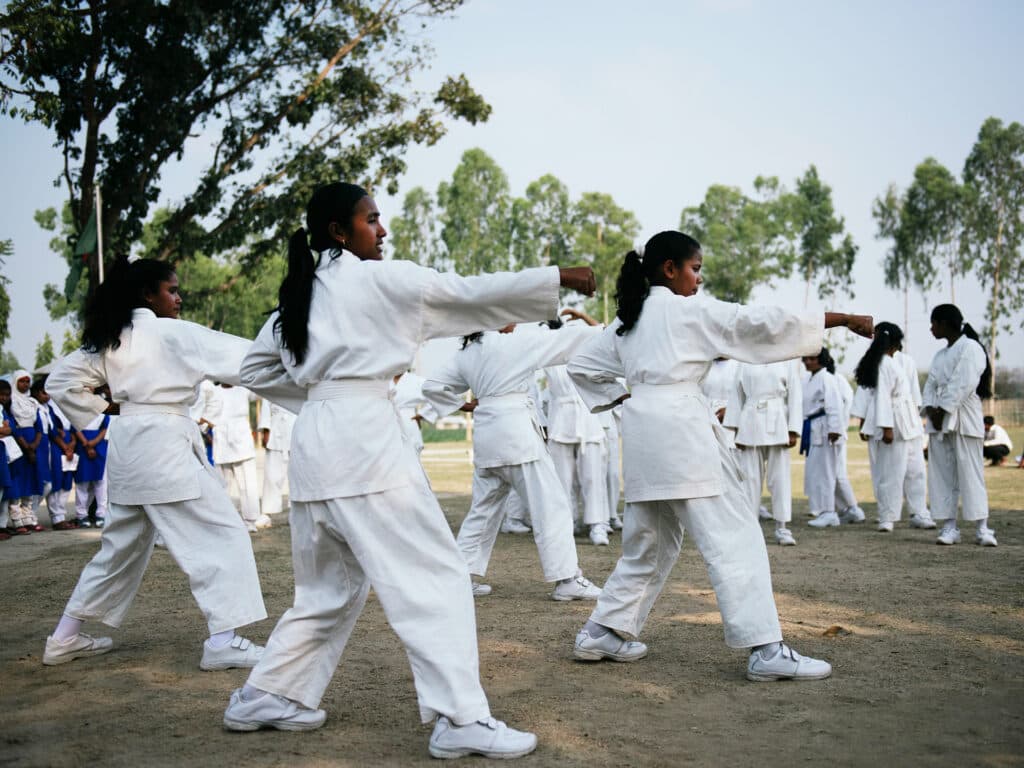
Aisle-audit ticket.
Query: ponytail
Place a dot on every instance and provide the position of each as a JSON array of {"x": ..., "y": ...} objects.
[
  {"x": 470, "y": 338},
  {"x": 887, "y": 336},
  {"x": 109, "y": 309},
  {"x": 949, "y": 315},
  {"x": 638, "y": 274},
  {"x": 984, "y": 389},
  {"x": 331, "y": 204}
]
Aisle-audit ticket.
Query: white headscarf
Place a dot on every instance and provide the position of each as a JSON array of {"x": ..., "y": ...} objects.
[{"x": 23, "y": 405}]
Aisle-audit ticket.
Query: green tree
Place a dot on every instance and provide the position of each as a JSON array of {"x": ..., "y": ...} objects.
[
  {"x": 933, "y": 220},
  {"x": 414, "y": 234},
  {"x": 44, "y": 352},
  {"x": 824, "y": 255},
  {"x": 8, "y": 361},
  {"x": 994, "y": 219},
  {"x": 743, "y": 239},
  {"x": 6, "y": 249},
  {"x": 606, "y": 232},
  {"x": 900, "y": 272},
  {"x": 290, "y": 95},
  {"x": 67, "y": 301},
  {"x": 475, "y": 216},
  {"x": 70, "y": 343},
  {"x": 543, "y": 224}
]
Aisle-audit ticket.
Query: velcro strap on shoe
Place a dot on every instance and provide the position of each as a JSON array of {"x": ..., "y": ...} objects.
[{"x": 240, "y": 643}]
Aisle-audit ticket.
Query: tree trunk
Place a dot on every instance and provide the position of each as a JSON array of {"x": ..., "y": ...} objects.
[
  {"x": 906, "y": 315},
  {"x": 994, "y": 315}
]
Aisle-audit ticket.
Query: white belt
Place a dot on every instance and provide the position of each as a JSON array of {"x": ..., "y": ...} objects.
[
  {"x": 136, "y": 409},
  {"x": 335, "y": 389},
  {"x": 676, "y": 388},
  {"x": 512, "y": 398}
]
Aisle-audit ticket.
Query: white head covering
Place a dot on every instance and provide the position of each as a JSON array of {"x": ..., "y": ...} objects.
[{"x": 23, "y": 405}]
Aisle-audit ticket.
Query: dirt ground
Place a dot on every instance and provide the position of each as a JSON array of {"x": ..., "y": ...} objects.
[{"x": 929, "y": 665}]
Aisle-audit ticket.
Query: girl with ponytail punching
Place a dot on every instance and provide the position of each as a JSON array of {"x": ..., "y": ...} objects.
[
  {"x": 892, "y": 424},
  {"x": 960, "y": 377},
  {"x": 363, "y": 514},
  {"x": 158, "y": 479},
  {"x": 680, "y": 473}
]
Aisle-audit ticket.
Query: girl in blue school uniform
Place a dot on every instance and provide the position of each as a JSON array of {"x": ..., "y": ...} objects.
[
  {"x": 5, "y": 472},
  {"x": 30, "y": 473},
  {"x": 91, "y": 475},
  {"x": 62, "y": 450}
]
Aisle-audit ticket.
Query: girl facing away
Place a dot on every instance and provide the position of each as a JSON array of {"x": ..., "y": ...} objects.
[
  {"x": 679, "y": 471},
  {"x": 159, "y": 481},
  {"x": 960, "y": 376},
  {"x": 363, "y": 514}
]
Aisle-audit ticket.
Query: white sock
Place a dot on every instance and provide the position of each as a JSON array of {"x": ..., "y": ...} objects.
[
  {"x": 596, "y": 630},
  {"x": 250, "y": 692},
  {"x": 949, "y": 524},
  {"x": 768, "y": 651},
  {"x": 983, "y": 526},
  {"x": 779, "y": 525},
  {"x": 220, "y": 639},
  {"x": 67, "y": 628}
]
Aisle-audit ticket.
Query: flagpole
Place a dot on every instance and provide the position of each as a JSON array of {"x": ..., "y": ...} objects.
[{"x": 99, "y": 231}]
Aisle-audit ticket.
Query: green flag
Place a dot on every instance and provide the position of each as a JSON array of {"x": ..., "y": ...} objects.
[{"x": 86, "y": 245}]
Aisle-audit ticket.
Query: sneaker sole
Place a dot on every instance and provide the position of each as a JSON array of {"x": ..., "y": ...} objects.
[
  {"x": 247, "y": 726},
  {"x": 581, "y": 654},
  {"x": 453, "y": 754},
  {"x": 570, "y": 598},
  {"x": 64, "y": 659},
  {"x": 222, "y": 667},
  {"x": 759, "y": 678}
]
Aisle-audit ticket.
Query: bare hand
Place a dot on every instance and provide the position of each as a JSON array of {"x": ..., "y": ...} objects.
[
  {"x": 793, "y": 438},
  {"x": 470, "y": 406},
  {"x": 864, "y": 437},
  {"x": 579, "y": 279},
  {"x": 833, "y": 436},
  {"x": 862, "y": 325},
  {"x": 887, "y": 435},
  {"x": 90, "y": 452},
  {"x": 575, "y": 314},
  {"x": 936, "y": 415}
]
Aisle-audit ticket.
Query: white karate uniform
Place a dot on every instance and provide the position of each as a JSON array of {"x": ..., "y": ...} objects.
[
  {"x": 955, "y": 451},
  {"x": 158, "y": 476},
  {"x": 679, "y": 470},
  {"x": 234, "y": 451},
  {"x": 821, "y": 393},
  {"x": 57, "y": 498},
  {"x": 613, "y": 478},
  {"x": 362, "y": 511},
  {"x": 576, "y": 442},
  {"x": 87, "y": 491},
  {"x": 279, "y": 422},
  {"x": 508, "y": 446},
  {"x": 845, "y": 497},
  {"x": 893, "y": 409},
  {"x": 915, "y": 482},
  {"x": 764, "y": 407},
  {"x": 410, "y": 403}
]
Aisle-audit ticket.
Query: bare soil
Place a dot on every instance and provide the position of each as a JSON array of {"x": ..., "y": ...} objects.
[{"x": 929, "y": 664}]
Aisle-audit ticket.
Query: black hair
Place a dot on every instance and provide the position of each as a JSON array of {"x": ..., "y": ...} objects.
[
  {"x": 990, "y": 420},
  {"x": 887, "y": 335},
  {"x": 470, "y": 338},
  {"x": 950, "y": 316},
  {"x": 825, "y": 360},
  {"x": 638, "y": 274},
  {"x": 331, "y": 204},
  {"x": 109, "y": 309},
  {"x": 5, "y": 384},
  {"x": 553, "y": 324},
  {"x": 37, "y": 386}
]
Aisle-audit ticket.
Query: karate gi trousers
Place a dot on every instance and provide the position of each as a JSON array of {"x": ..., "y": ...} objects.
[
  {"x": 915, "y": 482},
  {"x": 613, "y": 481},
  {"x": 845, "y": 497},
  {"x": 275, "y": 473},
  {"x": 86, "y": 492},
  {"x": 732, "y": 545},
  {"x": 820, "y": 477},
  {"x": 888, "y": 473},
  {"x": 398, "y": 542},
  {"x": 244, "y": 475},
  {"x": 956, "y": 472},
  {"x": 769, "y": 463},
  {"x": 583, "y": 465},
  {"x": 205, "y": 538},
  {"x": 537, "y": 484}
]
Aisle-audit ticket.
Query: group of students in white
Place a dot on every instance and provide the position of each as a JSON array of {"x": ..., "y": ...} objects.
[{"x": 362, "y": 511}]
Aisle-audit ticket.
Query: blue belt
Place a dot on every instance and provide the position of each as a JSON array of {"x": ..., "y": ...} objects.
[{"x": 805, "y": 433}]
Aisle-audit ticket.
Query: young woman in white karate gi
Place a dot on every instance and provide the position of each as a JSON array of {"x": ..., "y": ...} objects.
[
  {"x": 847, "y": 508},
  {"x": 234, "y": 452},
  {"x": 275, "y": 427},
  {"x": 959, "y": 378},
  {"x": 765, "y": 409},
  {"x": 508, "y": 447},
  {"x": 680, "y": 472},
  {"x": 158, "y": 478},
  {"x": 894, "y": 429},
  {"x": 362, "y": 512},
  {"x": 821, "y": 438}
]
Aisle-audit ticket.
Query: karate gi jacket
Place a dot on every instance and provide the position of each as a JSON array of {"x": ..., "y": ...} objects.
[
  {"x": 232, "y": 429},
  {"x": 158, "y": 366},
  {"x": 279, "y": 421},
  {"x": 499, "y": 369},
  {"x": 952, "y": 386},
  {"x": 821, "y": 392},
  {"x": 569, "y": 419},
  {"x": 765, "y": 403},
  {"x": 366, "y": 321},
  {"x": 671, "y": 439},
  {"x": 718, "y": 384},
  {"x": 894, "y": 403}
]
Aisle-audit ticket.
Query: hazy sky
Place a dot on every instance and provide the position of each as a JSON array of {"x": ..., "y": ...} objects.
[{"x": 655, "y": 101}]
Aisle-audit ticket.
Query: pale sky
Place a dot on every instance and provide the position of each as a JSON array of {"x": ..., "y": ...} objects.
[{"x": 655, "y": 101}]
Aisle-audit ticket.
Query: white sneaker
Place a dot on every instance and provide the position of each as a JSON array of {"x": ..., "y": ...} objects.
[
  {"x": 616, "y": 523},
  {"x": 919, "y": 521},
  {"x": 986, "y": 537},
  {"x": 885, "y": 527},
  {"x": 948, "y": 536},
  {"x": 481, "y": 590},
  {"x": 825, "y": 520},
  {"x": 515, "y": 526},
  {"x": 786, "y": 664},
  {"x": 607, "y": 646},
  {"x": 240, "y": 652},
  {"x": 262, "y": 522},
  {"x": 599, "y": 535},
  {"x": 270, "y": 711},
  {"x": 763, "y": 513},
  {"x": 784, "y": 537},
  {"x": 490, "y": 738},
  {"x": 78, "y": 647},
  {"x": 852, "y": 515},
  {"x": 578, "y": 588}
]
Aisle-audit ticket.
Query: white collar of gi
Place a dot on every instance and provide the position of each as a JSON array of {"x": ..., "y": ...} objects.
[
  {"x": 346, "y": 259},
  {"x": 656, "y": 289},
  {"x": 143, "y": 313}
]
